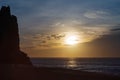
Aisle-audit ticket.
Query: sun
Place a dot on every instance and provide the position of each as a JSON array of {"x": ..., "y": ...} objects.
[{"x": 71, "y": 40}]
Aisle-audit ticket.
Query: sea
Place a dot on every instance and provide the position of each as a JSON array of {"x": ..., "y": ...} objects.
[{"x": 102, "y": 65}]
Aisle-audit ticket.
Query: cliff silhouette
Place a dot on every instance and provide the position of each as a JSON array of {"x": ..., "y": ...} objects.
[
  {"x": 9, "y": 39},
  {"x": 14, "y": 64}
]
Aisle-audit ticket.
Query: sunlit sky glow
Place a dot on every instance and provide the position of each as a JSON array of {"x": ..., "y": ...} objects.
[
  {"x": 72, "y": 40},
  {"x": 68, "y": 28}
]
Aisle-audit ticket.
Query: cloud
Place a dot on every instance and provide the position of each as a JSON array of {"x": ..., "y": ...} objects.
[
  {"x": 96, "y": 14},
  {"x": 105, "y": 46},
  {"x": 40, "y": 41},
  {"x": 116, "y": 29},
  {"x": 57, "y": 36}
]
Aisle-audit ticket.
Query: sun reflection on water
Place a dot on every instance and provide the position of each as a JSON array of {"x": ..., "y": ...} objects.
[{"x": 71, "y": 63}]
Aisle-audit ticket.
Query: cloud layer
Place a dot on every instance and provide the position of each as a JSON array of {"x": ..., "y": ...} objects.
[{"x": 44, "y": 24}]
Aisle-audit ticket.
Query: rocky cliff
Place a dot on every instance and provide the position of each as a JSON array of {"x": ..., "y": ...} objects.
[
  {"x": 9, "y": 39},
  {"x": 14, "y": 64}
]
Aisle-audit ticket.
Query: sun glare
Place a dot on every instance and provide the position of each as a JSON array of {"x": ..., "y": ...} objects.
[{"x": 71, "y": 40}]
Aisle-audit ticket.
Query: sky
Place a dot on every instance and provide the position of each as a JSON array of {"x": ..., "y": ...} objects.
[{"x": 68, "y": 28}]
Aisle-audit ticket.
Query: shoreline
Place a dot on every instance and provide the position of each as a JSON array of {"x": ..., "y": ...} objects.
[
  {"x": 28, "y": 72},
  {"x": 68, "y": 74}
]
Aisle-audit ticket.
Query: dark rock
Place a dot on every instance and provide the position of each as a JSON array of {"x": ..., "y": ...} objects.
[
  {"x": 14, "y": 64},
  {"x": 9, "y": 39}
]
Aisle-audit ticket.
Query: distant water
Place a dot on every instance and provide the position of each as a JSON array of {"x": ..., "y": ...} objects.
[{"x": 105, "y": 65}]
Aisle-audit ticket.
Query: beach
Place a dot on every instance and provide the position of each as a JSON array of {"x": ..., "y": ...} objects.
[
  {"x": 18, "y": 72},
  {"x": 67, "y": 74}
]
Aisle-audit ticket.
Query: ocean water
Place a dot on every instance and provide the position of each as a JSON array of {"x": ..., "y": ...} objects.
[{"x": 103, "y": 65}]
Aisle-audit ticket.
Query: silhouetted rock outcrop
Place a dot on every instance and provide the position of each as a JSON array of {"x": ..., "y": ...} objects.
[
  {"x": 9, "y": 39},
  {"x": 14, "y": 64}
]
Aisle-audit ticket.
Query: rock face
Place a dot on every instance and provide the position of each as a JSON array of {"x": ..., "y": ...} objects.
[
  {"x": 9, "y": 39},
  {"x": 14, "y": 64}
]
